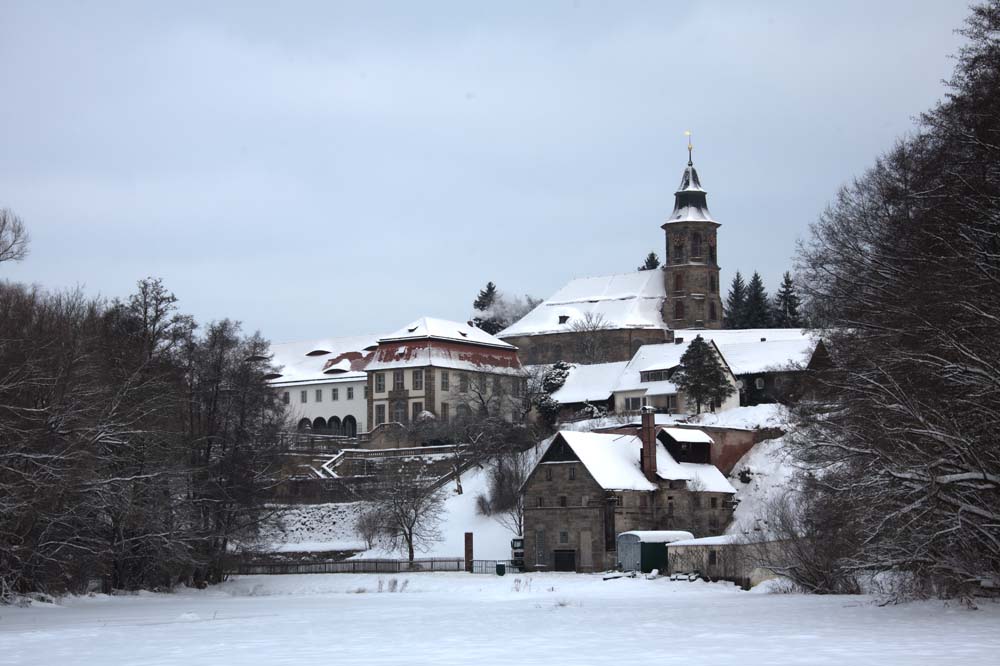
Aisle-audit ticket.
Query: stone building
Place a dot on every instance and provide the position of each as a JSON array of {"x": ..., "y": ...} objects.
[
  {"x": 589, "y": 487},
  {"x": 607, "y": 318},
  {"x": 434, "y": 368},
  {"x": 691, "y": 268}
]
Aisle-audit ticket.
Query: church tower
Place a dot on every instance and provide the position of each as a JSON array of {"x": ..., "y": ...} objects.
[{"x": 690, "y": 271}]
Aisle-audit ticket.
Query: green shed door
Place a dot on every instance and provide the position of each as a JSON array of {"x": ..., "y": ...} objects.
[{"x": 654, "y": 556}]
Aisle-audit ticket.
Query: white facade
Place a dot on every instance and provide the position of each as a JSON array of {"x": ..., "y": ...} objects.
[
  {"x": 337, "y": 406},
  {"x": 322, "y": 383}
]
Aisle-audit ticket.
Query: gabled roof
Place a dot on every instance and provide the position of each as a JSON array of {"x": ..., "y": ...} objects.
[
  {"x": 658, "y": 357},
  {"x": 625, "y": 300},
  {"x": 613, "y": 461},
  {"x": 755, "y": 350},
  {"x": 588, "y": 383},
  {"x": 443, "y": 329},
  {"x": 305, "y": 361}
]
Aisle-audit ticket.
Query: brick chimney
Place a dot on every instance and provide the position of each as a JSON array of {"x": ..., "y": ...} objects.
[{"x": 648, "y": 435}]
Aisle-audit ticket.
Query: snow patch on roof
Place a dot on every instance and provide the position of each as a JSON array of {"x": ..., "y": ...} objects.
[
  {"x": 652, "y": 357},
  {"x": 625, "y": 300},
  {"x": 295, "y": 365},
  {"x": 721, "y": 540},
  {"x": 688, "y": 435},
  {"x": 588, "y": 383},
  {"x": 660, "y": 536},
  {"x": 444, "y": 329}
]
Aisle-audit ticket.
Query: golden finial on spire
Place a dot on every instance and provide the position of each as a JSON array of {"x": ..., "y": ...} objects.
[{"x": 687, "y": 133}]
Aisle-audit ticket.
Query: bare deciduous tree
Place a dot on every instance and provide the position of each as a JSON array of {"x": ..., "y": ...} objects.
[
  {"x": 591, "y": 342},
  {"x": 13, "y": 237}
]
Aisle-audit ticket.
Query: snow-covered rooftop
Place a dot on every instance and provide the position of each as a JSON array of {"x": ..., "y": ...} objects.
[
  {"x": 688, "y": 435},
  {"x": 626, "y": 300},
  {"x": 721, "y": 540},
  {"x": 761, "y": 349},
  {"x": 305, "y": 361},
  {"x": 443, "y": 329},
  {"x": 651, "y": 357},
  {"x": 613, "y": 461},
  {"x": 590, "y": 382},
  {"x": 660, "y": 536}
]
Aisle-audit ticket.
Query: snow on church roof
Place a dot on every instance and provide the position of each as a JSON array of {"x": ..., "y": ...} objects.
[
  {"x": 443, "y": 329},
  {"x": 624, "y": 300}
]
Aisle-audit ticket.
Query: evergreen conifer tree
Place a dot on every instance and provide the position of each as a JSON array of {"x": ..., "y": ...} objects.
[
  {"x": 736, "y": 302},
  {"x": 484, "y": 303},
  {"x": 758, "y": 308},
  {"x": 486, "y": 297},
  {"x": 785, "y": 312},
  {"x": 701, "y": 377},
  {"x": 652, "y": 261}
]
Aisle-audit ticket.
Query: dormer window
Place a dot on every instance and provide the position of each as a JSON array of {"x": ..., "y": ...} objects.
[
  {"x": 563, "y": 319},
  {"x": 463, "y": 334}
]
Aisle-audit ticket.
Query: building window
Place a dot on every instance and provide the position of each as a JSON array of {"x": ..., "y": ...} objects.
[
  {"x": 564, "y": 537},
  {"x": 696, "y": 245},
  {"x": 304, "y": 396},
  {"x": 548, "y": 473},
  {"x": 418, "y": 380},
  {"x": 585, "y": 500},
  {"x": 672, "y": 403},
  {"x": 711, "y": 253},
  {"x": 711, "y": 311},
  {"x": 563, "y": 319},
  {"x": 336, "y": 394},
  {"x": 379, "y": 414},
  {"x": 713, "y": 557},
  {"x": 633, "y": 404},
  {"x": 678, "y": 253},
  {"x": 679, "y": 282},
  {"x": 759, "y": 382},
  {"x": 463, "y": 382},
  {"x": 715, "y": 502},
  {"x": 366, "y": 391},
  {"x": 286, "y": 398},
  {"x": 399, "y": 411},
  {"x": 572, "y": 472},
  {"x": 319, "y": 395},
  {"x": 516, "y": 387},
  {"x": 496, "y": 385},
  {"x": 444, "y": 380},
  {"x": 350, "y": 393},
  {"x": 562, "y": 500},
  {"x": 678, "y": 310},
  {"x": 418, "y": 407},
  {"x": 444, "y": 412},
  {"x": 380, "y": 382},
  {"x": 713, "y": 286},
  {"x": 539, "y": 502},
  {"x": 397, "y": 380},
  {"x": 540, "y": 548}
]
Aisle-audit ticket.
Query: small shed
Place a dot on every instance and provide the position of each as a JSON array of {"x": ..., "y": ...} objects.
[{"x": 642, "y": 550}]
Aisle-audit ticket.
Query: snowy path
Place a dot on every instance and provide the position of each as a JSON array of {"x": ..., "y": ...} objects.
[{"x": 482, "y": 620}]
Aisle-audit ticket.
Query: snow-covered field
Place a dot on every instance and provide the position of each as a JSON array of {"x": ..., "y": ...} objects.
[{"x": 550, "y": 619}]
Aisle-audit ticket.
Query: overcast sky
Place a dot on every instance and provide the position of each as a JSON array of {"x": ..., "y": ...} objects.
[{"x": 320, "y": 169}]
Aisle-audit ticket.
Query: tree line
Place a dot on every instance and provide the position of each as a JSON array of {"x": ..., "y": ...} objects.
[
  {"x": 135, "y": 446},
  {"x": 902, "y": 272}
]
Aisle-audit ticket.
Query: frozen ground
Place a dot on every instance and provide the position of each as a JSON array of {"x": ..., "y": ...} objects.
[
  {"x": 325, "y": 527},
  {"x": 550, "y": 619}
]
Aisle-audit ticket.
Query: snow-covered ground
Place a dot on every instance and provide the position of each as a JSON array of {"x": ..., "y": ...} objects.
[
  {"x": 330, "y": 527},
  {"x": 442, "y": 619}
]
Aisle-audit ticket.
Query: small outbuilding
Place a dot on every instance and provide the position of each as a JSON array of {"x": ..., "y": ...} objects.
[{"x": 645, "y": 550}]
